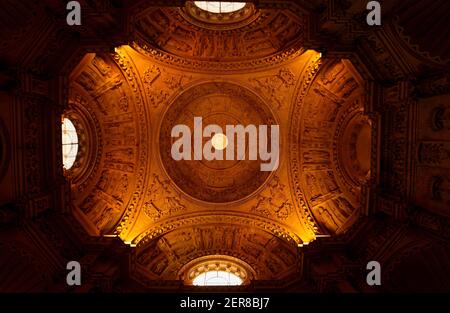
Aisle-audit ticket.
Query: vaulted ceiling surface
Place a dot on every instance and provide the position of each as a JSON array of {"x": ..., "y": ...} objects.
[
  {"x": 190, "y": 32},
  {"x": 126, "y": 103}
]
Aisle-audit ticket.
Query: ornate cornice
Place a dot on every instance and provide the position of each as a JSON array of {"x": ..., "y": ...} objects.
[
  {"x": 217, "y": 66},
  {"x": 127, "y": 68},
  {"x": 294, "y": 150},
  {"x": 247, "y": 220}
]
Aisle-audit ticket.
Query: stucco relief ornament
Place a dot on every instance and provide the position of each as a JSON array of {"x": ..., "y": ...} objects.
[
  {"x": 273, "y": 86},
  {"x": 162, "y": 201},
  {"x": 151, "y": 74},
  {"x": 275, "y": 202}
]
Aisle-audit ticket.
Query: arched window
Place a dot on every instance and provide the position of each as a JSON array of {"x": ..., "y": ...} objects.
[
  {"x": 219, "y": 7},
  {"x": 217, "y": 278},
  {"x": 69, "y": 143},
  {"x": 217, "y": 270}
]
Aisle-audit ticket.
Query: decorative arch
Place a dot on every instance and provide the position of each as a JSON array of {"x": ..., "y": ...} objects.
[
  {"x": 324, "y": 108},
  {"x": 89, "y": 139},
  {"x": 169, "y": 254},
  {"x": 106, "y": 98}
]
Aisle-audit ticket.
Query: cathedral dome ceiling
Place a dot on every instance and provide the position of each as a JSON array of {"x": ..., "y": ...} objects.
[
  {"x": 88, "y": 173},
  {"x": 175, "y": 211}
]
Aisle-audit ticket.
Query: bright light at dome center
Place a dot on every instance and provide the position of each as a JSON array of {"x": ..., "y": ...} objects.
[
  {"x": 219, "y": 7},
  {"x": 219, "y": 141}
]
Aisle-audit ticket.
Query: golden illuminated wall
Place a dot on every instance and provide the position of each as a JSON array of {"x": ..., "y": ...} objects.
[{"x": 132, "y": 192}]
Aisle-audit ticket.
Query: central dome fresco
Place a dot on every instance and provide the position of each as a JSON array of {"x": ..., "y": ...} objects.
[{"x": 222, "y": 104}]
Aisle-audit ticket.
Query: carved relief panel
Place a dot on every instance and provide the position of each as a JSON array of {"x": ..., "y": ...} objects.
[
  {"x": 333, "y": 155},
  {"x": 109, "y": 99},
  {"x": 269, "y": 256},
  {"x": 182, "y": 32},
  {"x": 432, "y": 159}
]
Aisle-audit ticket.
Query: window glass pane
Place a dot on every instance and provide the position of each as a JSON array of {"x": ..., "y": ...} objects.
[
  {"x": 217, "y": 278},
  {"x": 69, "y": 143},
  {"x": 219, "y": 7}
]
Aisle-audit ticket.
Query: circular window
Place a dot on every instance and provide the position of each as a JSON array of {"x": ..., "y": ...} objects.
[
  {"x": 220, "y": 7},
  {"x": 69, "y": 143}
]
